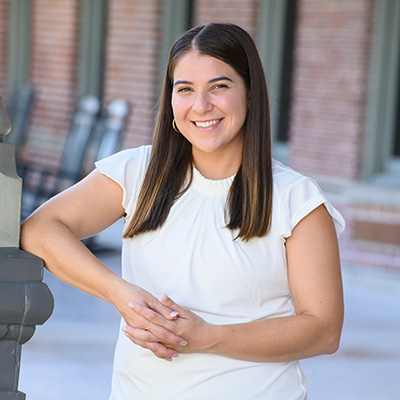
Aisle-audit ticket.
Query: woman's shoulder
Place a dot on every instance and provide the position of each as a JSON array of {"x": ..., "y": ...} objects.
[
  {"x": 296, "y": 195},
  {"x": 136, "y": 154},
  {"x": 126, "y": 160},
  {"x": 285, "y": 177},
  {"x": 127, "y": 168}
]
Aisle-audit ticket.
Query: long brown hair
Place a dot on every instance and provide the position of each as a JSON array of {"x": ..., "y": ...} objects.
[{"x": 249, "y": 203}]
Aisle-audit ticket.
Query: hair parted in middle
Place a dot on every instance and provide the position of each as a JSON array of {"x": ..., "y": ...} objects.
[{"x": 249, "y": 203}]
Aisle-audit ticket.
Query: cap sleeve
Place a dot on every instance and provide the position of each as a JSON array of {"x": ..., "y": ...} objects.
[
  {"x": 127, "y": 168},
  {"x": 299, "y": 200}
]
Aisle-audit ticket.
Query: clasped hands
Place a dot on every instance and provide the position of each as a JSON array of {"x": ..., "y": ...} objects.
[{"x": 166, "y": 328}]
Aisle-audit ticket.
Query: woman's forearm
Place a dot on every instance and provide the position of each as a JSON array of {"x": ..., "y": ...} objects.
[
  {"x": 316, "y": 287},
  {"x": 66, "y": 257},
  {"x": 270, "y": 340},
  {"x": 53, "y": 232},
  {"x": 276, "y": 339}
]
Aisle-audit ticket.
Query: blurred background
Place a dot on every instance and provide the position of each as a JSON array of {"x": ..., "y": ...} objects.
[{"x": 81, "y": 79}]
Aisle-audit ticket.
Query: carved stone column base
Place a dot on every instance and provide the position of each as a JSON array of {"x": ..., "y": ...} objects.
[
  {"x": 12, "y": 395},
  {"x": 25, "y": 301}
]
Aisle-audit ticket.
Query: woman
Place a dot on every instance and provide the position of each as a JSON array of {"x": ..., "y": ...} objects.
[{"x": 246, "y": 247}]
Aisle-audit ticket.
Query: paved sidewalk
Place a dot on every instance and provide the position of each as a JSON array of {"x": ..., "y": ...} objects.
[
  {"x": 70, "y": 357},
  {"x": 367, "y": 365}
]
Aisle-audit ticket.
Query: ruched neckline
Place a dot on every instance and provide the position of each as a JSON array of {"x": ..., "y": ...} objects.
[{"x": 211, "y": 186}]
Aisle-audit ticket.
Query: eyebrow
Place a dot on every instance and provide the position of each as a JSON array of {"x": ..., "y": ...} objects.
[{"x": 220, "y": 78}]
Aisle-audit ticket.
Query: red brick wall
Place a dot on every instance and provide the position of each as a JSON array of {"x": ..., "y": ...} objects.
[
  {"x": 3, "y": 47},
  {"x": 54, "y": 42},
  {"x": 372, "y": 236},
  {"x": 132, "y": 63},
  {"x": 131, "y": 70},
  {"x": 132, "y": 53},
  {"x": 329, "y": 86},
  {"x": 239, "y": 12}
]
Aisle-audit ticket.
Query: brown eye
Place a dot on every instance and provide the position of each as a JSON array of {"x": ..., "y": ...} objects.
[
  {"x": 220, "y": 86},
  {"x": 184, "y": 89}
]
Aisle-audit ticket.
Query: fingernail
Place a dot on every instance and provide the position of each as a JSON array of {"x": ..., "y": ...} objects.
[
  {"x": 176, "y": 355},
  {"x": 173, "y": 314},
  {"x": 165, "y": 296},
  {"x": 168, "y": 359},
  {"x": 131, "y": 305},
  {"x": 124, "y": 329},
  {"x": 183, "y": 343}
]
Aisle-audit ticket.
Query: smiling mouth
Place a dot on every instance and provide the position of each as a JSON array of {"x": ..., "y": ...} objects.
[{"x": 207, "y": 124}]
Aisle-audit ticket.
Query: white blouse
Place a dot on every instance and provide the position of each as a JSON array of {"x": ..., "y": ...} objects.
[{"x": 195, "y": 259}]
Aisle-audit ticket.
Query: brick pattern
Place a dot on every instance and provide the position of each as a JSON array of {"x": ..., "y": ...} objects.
[
  {"x": 239, "y": 12},
  {"x": 329, "y": 85},
  {"x": 54, "y": 52},
  {"x": 132, "y": 63},
  {"x": 331, "y": 57},
  {"x": 372, "y": 235},
  {"x": 3, "y": 47},
  {"x": 361, "y": 253},
  {"x": 378, "y": 232}
]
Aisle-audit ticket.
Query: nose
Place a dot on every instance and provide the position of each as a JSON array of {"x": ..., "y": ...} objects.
[{"x": 202, "y": 103}]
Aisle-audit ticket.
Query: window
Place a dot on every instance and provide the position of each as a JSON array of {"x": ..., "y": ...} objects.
[
  {"x": 276, "y": 42},
  {"x": 396, "y": 140},
  {"x": 282, "y": 134},
  {"x": 92, "y": 33},
  {"x": 177, "y": 18},
  {"x": 382, "y": 126},
  {"x": 19, "y": 43}
]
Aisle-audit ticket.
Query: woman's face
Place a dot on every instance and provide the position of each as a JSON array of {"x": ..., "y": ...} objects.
[{"x": 209, "y": 101}]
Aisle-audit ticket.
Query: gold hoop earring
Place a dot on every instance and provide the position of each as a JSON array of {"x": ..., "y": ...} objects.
[{"x": 174, "y": 127}]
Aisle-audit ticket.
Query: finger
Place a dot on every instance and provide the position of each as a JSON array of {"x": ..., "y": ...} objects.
[
  {"x": 158, "y": 326},
  {"x": 143, "y": 335},
  {"x": 166, "y": 312},
  {"x": 146, "y": 340},
  {"x": 158, "y": 349},
  {"x": 168, "y": 302},
  {"x": 163, "y": 352},
  {"x": 138, "y": 334}
]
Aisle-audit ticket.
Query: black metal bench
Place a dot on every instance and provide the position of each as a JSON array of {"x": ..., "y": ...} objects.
[
  {"x": 41, "y": 183},
  {"x": 92, "y": 137},
  {"x": 19, "y": 107},
  {"x": 108, "y": 132}
]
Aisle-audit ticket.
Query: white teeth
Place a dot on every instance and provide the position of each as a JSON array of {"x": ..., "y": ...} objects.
[{"x": 207, "y": 123}]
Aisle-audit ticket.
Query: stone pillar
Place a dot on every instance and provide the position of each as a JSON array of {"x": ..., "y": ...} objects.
[{"x": 25, "y": 301}]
